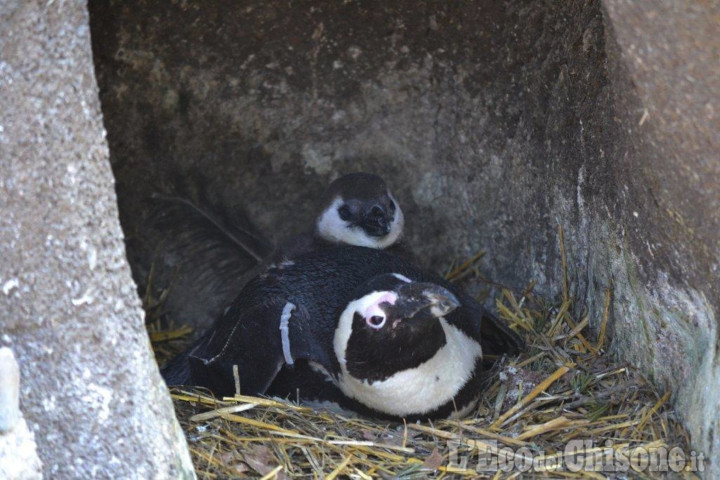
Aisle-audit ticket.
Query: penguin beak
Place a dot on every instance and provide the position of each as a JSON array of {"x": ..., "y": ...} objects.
[
  {"x": 424, "y": 301},
  {"x": 376, "y": 222}
]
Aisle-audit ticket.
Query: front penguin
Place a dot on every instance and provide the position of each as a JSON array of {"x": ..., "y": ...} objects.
[
  {"x": 355, "y": 326},
  {"x": 399, "y": 355}
]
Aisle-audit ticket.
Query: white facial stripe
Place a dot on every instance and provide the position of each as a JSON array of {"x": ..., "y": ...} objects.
[
  {"x": 334, "y": 229},
  {"x": 374, "y": 308},
  {"x": 418, "y": 390},
  {"x": 344, "y": 328}
]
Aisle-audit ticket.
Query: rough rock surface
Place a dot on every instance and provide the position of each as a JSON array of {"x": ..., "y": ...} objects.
[
  {"x": 665, "y": 60},
  {"x": 90, "y": 388},
  {"x": 493, "y": 122}
]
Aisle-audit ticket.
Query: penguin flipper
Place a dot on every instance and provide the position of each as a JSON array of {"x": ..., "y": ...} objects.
[
  {"x": 249, "y": 339},
  {"x": 218, "y": 375},
  {"x": 177, "y": 370}
]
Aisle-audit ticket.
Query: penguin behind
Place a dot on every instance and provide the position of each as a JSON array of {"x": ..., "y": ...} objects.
[
  {"x": 386, "y": 338},
  {"x": 208, "y": 250}
]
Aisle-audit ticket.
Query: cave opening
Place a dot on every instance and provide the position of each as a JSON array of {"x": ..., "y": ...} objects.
[{"x": 495, "y": 124}]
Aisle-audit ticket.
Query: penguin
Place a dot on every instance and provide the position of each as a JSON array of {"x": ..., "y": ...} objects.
[
  {"x": 208, "y": 251},
  {"x": 356, "y": 326}
]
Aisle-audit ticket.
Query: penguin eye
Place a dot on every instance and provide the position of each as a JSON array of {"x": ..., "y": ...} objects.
[
  {"x": 376, "y": 321},
  {"x": 344, "y": 213}
]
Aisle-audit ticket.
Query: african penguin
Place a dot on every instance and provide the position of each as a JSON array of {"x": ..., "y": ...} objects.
[
  {"x": 356, "y": 326},
  {"x": 209, "y": 250}
]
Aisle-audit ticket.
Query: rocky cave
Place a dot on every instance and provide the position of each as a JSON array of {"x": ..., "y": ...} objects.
[{"x": 495, "y": 123}]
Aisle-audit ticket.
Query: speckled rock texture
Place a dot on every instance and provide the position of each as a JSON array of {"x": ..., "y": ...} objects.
[
  {"x": 494, "y": 122},
  {"x": 90, "y": 389}
]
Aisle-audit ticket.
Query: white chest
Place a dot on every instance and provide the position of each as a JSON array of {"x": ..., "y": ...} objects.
[{"x": 424, "y": 388}]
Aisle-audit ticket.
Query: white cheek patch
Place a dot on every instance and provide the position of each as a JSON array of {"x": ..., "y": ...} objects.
[
  {"x": 330, "y": 226},
  {"x": 419, "y": 390}
]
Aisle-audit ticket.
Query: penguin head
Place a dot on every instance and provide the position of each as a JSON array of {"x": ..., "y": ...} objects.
[
  {"x": 359, "y": 209},
  {"x": 391, "y": 324},
  {"x": 397, "y": 353}
]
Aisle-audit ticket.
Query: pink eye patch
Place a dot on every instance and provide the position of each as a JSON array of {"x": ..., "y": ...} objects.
[{"x": 375, "y": 310}]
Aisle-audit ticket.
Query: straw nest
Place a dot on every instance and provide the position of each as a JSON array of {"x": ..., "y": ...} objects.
[{"x": 564, "y": 390}]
